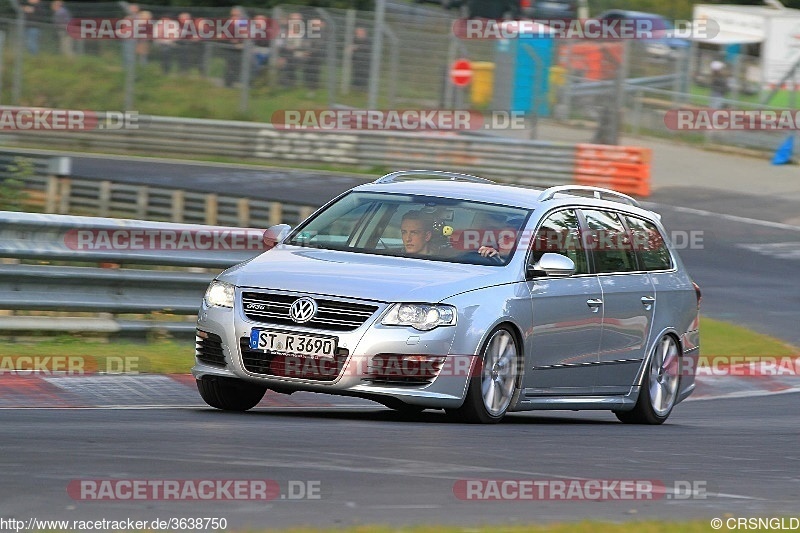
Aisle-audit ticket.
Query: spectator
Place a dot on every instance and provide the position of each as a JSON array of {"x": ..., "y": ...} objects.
[
  {"x": 187, "y": 49},
  {"x": 719, "y": 84},
  {"x": 294, "y": 52},
  {"x": 34, "y": 16},
  {"x": 361, "y": 56},
  {"x": 233, "y": 48},
  {"x": 165, "y": 43},
  {"x": 61, "y": 18},
  {"x": 129, "y": 45},
  {"x": 317, "y": 46},
  {"x": 143, "y": 45},
  {"x": 261, "y": 47}
]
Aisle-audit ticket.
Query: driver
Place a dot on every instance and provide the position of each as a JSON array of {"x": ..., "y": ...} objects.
[
  {"x": 415, "y": 229},
  {"x": 505, "y": 239}
]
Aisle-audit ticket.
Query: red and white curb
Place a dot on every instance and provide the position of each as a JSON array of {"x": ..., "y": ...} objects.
[{"x": 142, "y": 391}]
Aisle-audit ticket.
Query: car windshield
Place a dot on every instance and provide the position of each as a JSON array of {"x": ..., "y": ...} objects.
[{"x": 424, "y": 227}]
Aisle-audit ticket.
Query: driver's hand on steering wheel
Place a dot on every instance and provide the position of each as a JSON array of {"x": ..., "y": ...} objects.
[{"x": 488, "y": 251}]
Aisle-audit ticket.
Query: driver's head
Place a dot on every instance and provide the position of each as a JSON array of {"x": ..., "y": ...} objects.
[{"x": 415, "y": 229}]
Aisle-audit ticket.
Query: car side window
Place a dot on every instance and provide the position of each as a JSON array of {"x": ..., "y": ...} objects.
[
  {"x": 560, "y": 233},
  {"x": 649, "y": 244},
  {"x": 609, "y": 242}
]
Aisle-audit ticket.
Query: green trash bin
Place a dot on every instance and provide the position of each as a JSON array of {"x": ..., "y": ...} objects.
[{"x": 482, "y": 82}]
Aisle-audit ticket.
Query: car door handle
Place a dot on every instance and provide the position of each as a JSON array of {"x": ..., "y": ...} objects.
[
  {"x": 594, "y": 304},
  {"x": 647, "y": 302}
]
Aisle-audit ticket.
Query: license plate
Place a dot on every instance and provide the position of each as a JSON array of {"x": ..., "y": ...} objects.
[{"x": 279, "y": 342}]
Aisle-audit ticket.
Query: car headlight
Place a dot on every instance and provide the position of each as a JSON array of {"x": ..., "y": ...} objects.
[
  {"x": 220, "y": 294},
  {"x": 423, "y": 317}
]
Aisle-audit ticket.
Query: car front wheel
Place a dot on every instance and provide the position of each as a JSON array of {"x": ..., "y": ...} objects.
[
  {"x": 229, "y": 394},
  {"x": 489, "y": 393},
  {"x": 659, "y": 386}
]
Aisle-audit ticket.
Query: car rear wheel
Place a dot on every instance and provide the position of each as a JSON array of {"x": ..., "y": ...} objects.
[
  {"x": 229, "y": 394},
  {"x": 490, "y": 392},
  {"x": 659, "y": 387}
]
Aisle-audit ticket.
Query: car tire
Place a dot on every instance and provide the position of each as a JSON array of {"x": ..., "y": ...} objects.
[
  {"x": 491, "y": 388},
  {"x": 660, "y": 386},
  {"x": 229, "y": 394}
]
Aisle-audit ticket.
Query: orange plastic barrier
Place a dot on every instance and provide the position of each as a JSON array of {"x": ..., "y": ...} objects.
[{"x": 623, "y": 168}]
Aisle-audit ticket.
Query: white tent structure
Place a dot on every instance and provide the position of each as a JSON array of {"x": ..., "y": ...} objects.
[{"x": 776, "y": 28}]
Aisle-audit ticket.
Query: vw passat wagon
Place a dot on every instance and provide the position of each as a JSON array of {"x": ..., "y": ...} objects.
[{"x": 435, "y": 290}]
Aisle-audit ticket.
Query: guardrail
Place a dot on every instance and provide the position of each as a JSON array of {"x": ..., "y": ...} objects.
[
  {"x": 533, "y": 163},
  {"x": 50, "y": 188},
  {"x": 113, "y": 288}
]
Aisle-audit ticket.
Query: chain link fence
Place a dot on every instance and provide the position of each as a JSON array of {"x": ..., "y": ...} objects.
[{"x": 393, "y": 59}]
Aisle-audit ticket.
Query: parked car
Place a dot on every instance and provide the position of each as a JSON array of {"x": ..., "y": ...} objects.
[
  {"x": 665, "y": 44},
  {"x": 521, "y": 299}
]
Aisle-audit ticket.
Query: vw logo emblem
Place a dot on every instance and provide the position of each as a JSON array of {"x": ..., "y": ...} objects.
[{"x": 303, "y": 309}]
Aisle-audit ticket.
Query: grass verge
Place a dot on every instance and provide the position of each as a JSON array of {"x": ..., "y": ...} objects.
[{"x": 718, "y": 339}]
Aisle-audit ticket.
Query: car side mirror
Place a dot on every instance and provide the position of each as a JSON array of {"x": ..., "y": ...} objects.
[
  {"x": 276, "y": 234},
  {"x": 553, "y": 266}
]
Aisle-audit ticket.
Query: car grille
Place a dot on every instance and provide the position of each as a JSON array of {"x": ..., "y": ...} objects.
[
  {"x": 208, "y": 348},
  {"x": 332, "y": 315},
  {"x": 258, "y": 362}
]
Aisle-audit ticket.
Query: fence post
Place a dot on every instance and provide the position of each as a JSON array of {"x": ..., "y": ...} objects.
[
  {"x": 2, "y": 50},
  {"x": 63, "y": 201},
  {"x": 243, "y": 212},
  {"x": 51, "y": 195},
  {"x": 212, "y": 203},
  {"x": 178, "y": 200},
  {"x": 244, "y": 75},
  {"x": 16, "y": 89},
  {"x": 104, "y": 197},
  {"x": 142, "y": 198},
  {"x": 377, "y": 54},
  {"x": 347, "y": 51},
  {"x": 275, "y": 213}
]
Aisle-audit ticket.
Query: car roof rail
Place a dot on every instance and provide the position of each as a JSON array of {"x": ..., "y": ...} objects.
[
  {"x": 598, "y": 192},
  {"x": 452, "y": 176}
]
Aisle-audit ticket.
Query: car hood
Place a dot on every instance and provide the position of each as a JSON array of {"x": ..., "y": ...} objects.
[{"x": 364, "y": 276}]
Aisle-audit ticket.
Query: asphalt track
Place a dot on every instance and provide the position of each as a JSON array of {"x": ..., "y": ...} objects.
[{"x": 375, "y": 466}]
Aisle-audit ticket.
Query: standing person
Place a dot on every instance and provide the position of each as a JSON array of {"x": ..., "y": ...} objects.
[
  {"x": 294, "y": 52},
  {"x": 719, "y": 84},
  {"x": 361, "y": 56},
  {"x": 187, "y": 49},
  {"x": 317, "y": 46},
  {"x": 34, "y": 15},
  {"x": 232, "y": 49},
  {"x": 142, "y": 48},
  {"x": 164, "y": 43},
  {"x": 61, "y": 18}
]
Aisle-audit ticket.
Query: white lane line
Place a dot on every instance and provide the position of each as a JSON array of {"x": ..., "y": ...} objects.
[{"x": 732, "y": 218}]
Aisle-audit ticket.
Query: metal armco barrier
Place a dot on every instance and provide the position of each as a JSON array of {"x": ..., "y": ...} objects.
[
  {"x": 622, "y": 168},
  {"x": 116, "y": 290},
  {"x": 525, "y": 162}
]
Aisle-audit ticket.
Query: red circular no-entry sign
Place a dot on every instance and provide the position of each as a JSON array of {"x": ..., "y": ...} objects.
[{"x": 461, "y": 73}]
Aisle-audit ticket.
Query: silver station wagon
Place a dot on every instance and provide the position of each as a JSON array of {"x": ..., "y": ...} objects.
[{"x": 437, "y": 290}]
